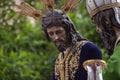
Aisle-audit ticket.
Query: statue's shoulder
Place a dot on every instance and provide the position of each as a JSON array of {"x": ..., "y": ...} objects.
[{"x": 81, "y": 43}]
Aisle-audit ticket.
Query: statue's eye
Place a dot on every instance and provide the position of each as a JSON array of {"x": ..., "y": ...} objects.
[{"x": 50, "y": 33}]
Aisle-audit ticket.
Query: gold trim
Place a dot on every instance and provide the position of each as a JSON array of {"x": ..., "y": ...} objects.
[
  {"x": 66, "y": 67},
  {"x": 107, "y": 6},
  {"x": 93, "y": 61}
]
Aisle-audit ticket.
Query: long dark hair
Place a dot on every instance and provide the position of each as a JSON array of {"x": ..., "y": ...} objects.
[{"x": 57, "y": 18}]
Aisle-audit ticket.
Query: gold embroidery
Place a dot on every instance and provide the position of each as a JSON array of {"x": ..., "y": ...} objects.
[
  {"x": 74, "y": 63},
  {"x": 65, "y": 68}
]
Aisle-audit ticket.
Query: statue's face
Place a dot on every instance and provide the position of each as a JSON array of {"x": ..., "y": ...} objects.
[{"x": 57, "y": 34}]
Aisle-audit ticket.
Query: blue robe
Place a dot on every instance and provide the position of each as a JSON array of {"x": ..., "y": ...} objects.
[{"x": 88, "y": 51}]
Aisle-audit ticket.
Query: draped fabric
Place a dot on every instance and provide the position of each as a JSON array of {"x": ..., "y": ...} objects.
[{"x": 72, "y": 64}]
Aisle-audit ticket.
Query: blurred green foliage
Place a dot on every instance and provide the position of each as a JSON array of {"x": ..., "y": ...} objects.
[{"x": 25, "y": 54}]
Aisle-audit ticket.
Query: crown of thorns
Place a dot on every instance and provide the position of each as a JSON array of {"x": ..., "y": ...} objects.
[{"x": 28, "y": 10}]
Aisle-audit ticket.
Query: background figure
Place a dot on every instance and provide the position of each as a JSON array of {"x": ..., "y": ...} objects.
[
  {"x": 106, "y": 15},
  {"x": 74, "y": 49}
]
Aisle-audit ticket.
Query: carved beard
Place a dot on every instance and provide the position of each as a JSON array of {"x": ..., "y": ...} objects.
[
  {"x": 65, "y": 42},
  {"x": 61, "y": 48},
  {"x": 109, "y": 40}
]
